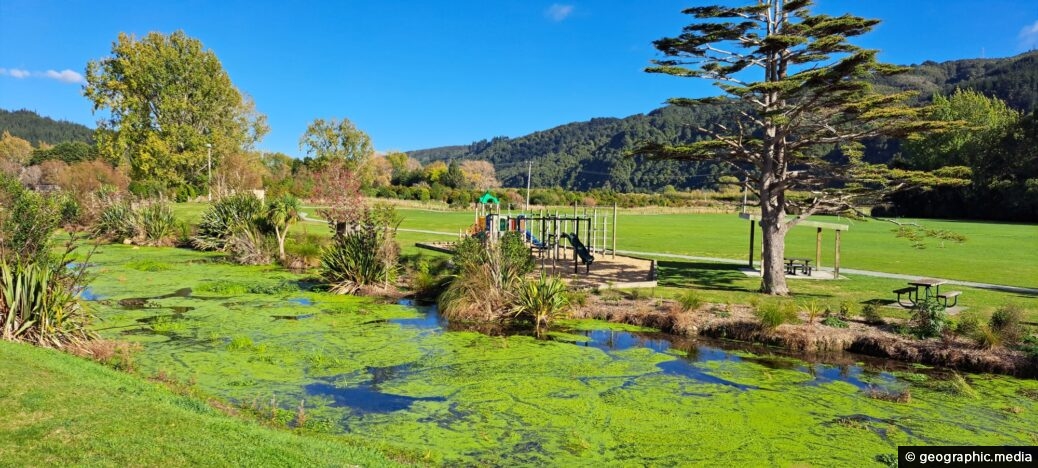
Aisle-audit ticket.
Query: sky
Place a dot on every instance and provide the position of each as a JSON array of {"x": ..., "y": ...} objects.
[{"x": 421, "y": 74}]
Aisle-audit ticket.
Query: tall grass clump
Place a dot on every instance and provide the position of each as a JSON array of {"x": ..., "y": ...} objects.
[
  {"x": 690, "y": 300},
  {"x": 773, "y": 314},
  {"x": 487, "y": 278},
  {"x": 223, "y": 218},
  {"x": 364, "y": 257},
  {"x": 143, "y": 222},
  {"x": 1006, "y": 323},
  {"x": 541, "y": 302}
]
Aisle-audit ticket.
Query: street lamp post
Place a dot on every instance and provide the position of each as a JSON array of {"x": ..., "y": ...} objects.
[{"x": 209, "y": 168}]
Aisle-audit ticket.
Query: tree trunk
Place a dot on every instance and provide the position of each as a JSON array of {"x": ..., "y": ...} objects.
[
  {"x": 773, "y": 234},
  {"x": 281, "y": 242},
  {"x": 773, "y": 265}
]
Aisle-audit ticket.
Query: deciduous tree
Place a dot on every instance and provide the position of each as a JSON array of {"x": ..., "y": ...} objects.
[
  {"x": 798, "y": 84},
  {"x": 165, "y": 97},
  {"x": 480, "y": 174},
  {"x": 328, "y": 140},
  {"x": 14, "y": 149}
]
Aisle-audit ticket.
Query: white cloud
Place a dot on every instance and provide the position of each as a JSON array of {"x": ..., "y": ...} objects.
[
  {"x": 65, "y": 76},
  {"x": 558, "y": 12},
  {"x": 1029, "y": 37}
]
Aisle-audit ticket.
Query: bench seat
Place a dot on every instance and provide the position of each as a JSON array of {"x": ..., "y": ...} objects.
[
  {"x": 954, "y": 295},
  {"x": 905, "y": 291}
]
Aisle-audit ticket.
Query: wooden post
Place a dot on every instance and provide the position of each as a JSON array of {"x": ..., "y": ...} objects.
[
  {"x": 751, "y": 242},
  {"x": 818, "y": 248},
  {"x": 594, "y": 229},
  {"x": 836, "y": 259},
  {"x": 614, "y": 230}
]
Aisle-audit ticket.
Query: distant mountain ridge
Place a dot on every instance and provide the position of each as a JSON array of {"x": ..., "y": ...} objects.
[
  {"x": 34, "y": 128},
  {"x": 590, "y": 154}
]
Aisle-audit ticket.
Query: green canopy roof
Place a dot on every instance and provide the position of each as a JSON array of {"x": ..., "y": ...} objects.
[{"x": 488, "y": 198}]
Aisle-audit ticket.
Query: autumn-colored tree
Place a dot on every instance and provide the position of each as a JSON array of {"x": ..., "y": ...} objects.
[
  {"x": 434, "y": 171},
  {"x": 15, "y": 149},
  {"x": 380, "y": 171},
  {"x": 239, "y": 171},
  {"x": 480, "y": 174},
  {"x": 337, "y": 188}
]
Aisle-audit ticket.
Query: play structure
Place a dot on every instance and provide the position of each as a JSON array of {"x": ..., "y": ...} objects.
[{"x": 555, "y": 238}]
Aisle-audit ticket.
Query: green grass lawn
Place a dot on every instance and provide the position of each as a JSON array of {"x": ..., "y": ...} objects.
[
  {"x": 60, "y": 410},
  {"x": 993, "y": 252},
  {"x": 999, "y": 253}
]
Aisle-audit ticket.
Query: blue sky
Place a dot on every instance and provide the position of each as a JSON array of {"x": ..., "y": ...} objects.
[{"x": 423, "y": 74}]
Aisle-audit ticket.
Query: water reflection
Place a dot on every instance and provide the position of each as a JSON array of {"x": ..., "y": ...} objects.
[{"x": 366, "y": 397}]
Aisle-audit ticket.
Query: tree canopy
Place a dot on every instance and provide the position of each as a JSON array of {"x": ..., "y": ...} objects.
[
  {"x": 799, "y": 86},
  {"x": 329, "y": 140},
  {"x": 166, "y": 98}
]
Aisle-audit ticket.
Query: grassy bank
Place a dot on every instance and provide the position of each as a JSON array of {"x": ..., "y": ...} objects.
[{"x": 60, "y": 410}]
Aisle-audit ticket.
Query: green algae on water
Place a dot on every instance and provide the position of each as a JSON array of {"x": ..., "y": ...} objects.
[{"x": 594, "y": 394}]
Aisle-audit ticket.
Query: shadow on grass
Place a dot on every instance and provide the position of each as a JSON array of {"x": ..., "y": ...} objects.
[
  {"x": 702, "y": 275},
  {"x": 716, "y": 277}
]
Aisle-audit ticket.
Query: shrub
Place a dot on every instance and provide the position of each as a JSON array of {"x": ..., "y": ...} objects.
[
  {"x": 305, "y": 250},
  {"x": 846, "y": 310},
  {"x": 837, "y": 319},
  {"x": 38, "y": 302},
  {"x": 834, "y": 321},
  {"x": 365, "y": 256},
  {"x": 929, "y": 319},
  {"x": 1005, "y": 321},
  {"x": 969, "y": 324},
  {"x": 578, "y": 297},
  {"x": 541, "y": 301},
  {"x": 871, "y": 314},
  {"x": 487, "y": 278},
  {"x": 27, "y": 221},
  {"x": 690, "y": 300},
  {"x": 772, "y": 314}
]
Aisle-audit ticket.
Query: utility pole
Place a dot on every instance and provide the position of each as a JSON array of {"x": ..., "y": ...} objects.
[
  {"x": 209, "y": 168},
  {"x": 529, "y": 171}
]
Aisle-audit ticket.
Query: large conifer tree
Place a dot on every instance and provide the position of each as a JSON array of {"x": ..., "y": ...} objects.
[{"x": 800, "y": 88}]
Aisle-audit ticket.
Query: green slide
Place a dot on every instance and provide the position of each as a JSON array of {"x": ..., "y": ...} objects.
[{"x": 580, "y": 248}]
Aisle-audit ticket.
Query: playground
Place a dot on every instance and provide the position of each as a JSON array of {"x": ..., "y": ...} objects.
[{"x": 580, "y": 247}]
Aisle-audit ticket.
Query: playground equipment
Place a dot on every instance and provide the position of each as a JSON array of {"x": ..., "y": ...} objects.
[{"x": 586, "y": 232}]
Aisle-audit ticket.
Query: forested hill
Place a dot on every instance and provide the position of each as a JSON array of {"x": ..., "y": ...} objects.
[
  {"x": 583, "y": 155},
  {"x": 1014, "y": 79},
  {"x": 32, "y": 127}
]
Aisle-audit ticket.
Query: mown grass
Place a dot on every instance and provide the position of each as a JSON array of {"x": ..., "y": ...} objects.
[
  {"x": 1000, "y": 253},
  {"x": 61, "y": 410}
]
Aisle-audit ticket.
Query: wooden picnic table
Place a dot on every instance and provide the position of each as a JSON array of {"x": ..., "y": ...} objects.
[
  {"x": 798, "y": 263},
  {"x": 931, "y": 289}
]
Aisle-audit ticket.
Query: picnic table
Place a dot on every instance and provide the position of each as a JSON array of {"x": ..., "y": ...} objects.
[
  {"x": 931, "y": 288},
  {"x": 798, "y": 263}
]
